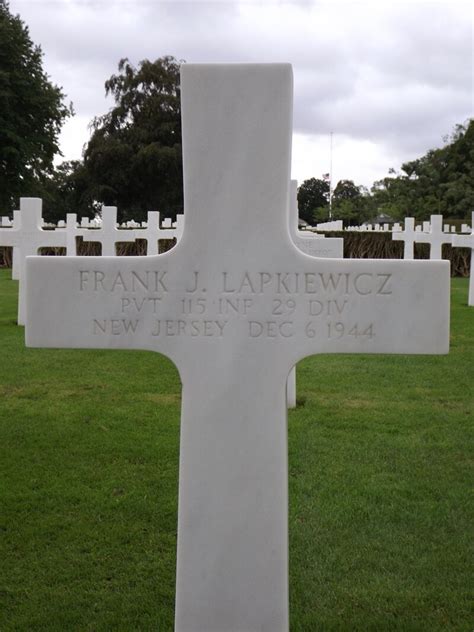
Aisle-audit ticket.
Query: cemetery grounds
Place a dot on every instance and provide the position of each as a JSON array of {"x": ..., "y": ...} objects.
[{"x": 380, "y": 477}]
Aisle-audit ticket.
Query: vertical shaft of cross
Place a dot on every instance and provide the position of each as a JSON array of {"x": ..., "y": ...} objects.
[
  {"x": 214, "y": 179},
  {"x": 232, "y": 564}
]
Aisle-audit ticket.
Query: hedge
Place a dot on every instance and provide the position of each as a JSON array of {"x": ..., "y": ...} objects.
[{"x": 356, "y": 246}]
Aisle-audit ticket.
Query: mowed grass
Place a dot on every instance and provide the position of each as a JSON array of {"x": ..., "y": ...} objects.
[{"x": 380, "y": 474}]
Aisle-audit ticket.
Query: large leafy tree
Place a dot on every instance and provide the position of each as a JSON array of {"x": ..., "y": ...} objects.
[
  {"x": 133, "y": 159},
  {"x": 441, "y": 181},
  {"x": 351, "y": 202},
  {"x": 313, "y": 195},
  {"x": 32, "y": 111}
]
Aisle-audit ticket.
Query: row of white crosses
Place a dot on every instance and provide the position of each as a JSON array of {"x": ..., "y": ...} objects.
[
  {"x": 27, "y": 235},
  {"x": 333, "y": 225},
  {"x": 467, "y": 241},
  {"x": 232, "y": 557},
  {"x": 430, "y": 233},
  {"x": 396, "y": 227},
  {"x": 369, "y": 228}
]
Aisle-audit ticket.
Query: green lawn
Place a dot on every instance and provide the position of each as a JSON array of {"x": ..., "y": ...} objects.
[{"x": 380, "y": 514}]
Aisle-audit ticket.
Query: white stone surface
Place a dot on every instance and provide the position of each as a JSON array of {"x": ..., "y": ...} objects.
[
  {"x": 153, "y": 233},
  {"x": 166, "y": 222},
  {"x": 435, "y": 237},
  {"x": 28, "y": 238},
  {"x": 6, "y": 222},
  {"x": 467, "y": 241},
  {"x": 408, "y": 236},
  {"x": 291, "y": 389},
  {"x": 235, "y": 313},
  {"x": 108, "y": 234},
  {"x": 71, "y": 233},
  {"x": 179, "y": 227},
  {"x": 16, "y": 254},
  {"x": 311, "y": 243}
]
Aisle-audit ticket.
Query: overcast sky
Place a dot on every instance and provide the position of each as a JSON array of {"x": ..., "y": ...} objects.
[{"x": 389, "y": 79}]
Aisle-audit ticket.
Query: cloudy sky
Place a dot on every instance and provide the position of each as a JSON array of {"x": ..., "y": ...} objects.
[{"x": 389, "y": 79}]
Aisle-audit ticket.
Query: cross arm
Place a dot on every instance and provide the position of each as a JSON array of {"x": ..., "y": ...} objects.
[{"x": 296, "y": 304}]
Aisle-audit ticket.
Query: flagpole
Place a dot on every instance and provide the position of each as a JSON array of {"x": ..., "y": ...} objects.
[{"x": 330, "y": 178}]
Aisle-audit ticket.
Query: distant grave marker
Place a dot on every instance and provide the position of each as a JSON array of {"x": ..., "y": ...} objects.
[
  {"x": 29, "y": 237},
  {"x": 408, "y": 236},
  {"x": 467, "y": 241},
  {"x": 435, "y": 237},
  {"x": 153, "y": 233},
  {"x": 108, "y": 235}
]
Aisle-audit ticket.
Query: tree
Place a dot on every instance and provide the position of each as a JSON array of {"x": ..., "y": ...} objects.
[
  {"x": 67, "y": 190},
  {"x": 312, "y": 194},
  {"x": 133, "y": 159},
  {"x": 32, "y": 112},
  {"x": 440, "y": 182},
  {"x": 351, "y": 203},
  {"x": 345, "y": 190}
]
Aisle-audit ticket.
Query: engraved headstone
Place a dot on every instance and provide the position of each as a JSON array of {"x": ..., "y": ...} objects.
[
  {"x": 235, "y": 305},
  {"x": 108, "y": 235},
  {"x": 467, "y": 241},
  {"x": 29, "y": 237}
]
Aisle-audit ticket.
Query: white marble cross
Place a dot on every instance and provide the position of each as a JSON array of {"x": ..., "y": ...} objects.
[
  {"x": 153, "y": 233},
  {"x": 467, "y": 241},
  {"x": 435, "y": 237},
  {"x": 108, "y": 234},
  {"x": 179, "y": 226},
  {"x": 236, "y": 305},
  {"x": 28, "y": 238},
  {"x": 408, "y": 236},
  {"x": 72, "y": 231},
  {"x": 313, "y": 245},
  {"x": 16, "y": 255}
]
